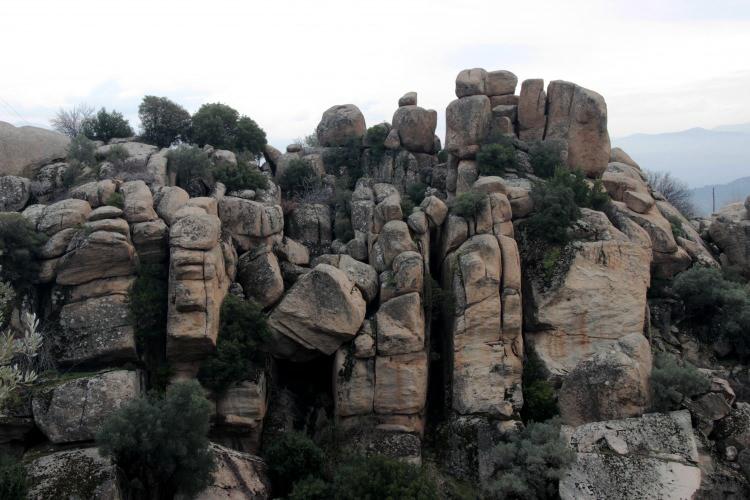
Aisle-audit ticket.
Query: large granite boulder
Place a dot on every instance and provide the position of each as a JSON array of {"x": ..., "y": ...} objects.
[
  {"x": 467, "y": 121},
  {"x": 260, "y": 276},
  {"x": 74, "y": 473},
  {"x": 62, "y": 215},
  {"x": 138, "y": 202},
  {"x": 22, "y": 149},
  {"x": 416, "y": 128},
  {"x": 99, "y": 254},
  {"x": 237, "y": 476},
  {"x": 730, "y": 230},
  {"x": 340, "y": 125},
  {"x": 654, "y": 456},
  {"x": 579, "y": 116},
  {"x": 250, "y": 222},
  {"x": 609, "y": 384},
  {"x": 75, "y": 410},
  {"x": 320, "y": 312},
  {"x": 531, "y": 110},
  {"x": 14, "y": 193}
]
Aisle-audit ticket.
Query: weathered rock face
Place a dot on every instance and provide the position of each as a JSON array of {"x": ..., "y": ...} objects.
[
  {"x": 240, "y": 412},
  {"x": 249, "y": 222},
  {"x": 75, "y": 410},
  {"x": 730, "y": 230},
  {"x": 467, "y": 121},
  {"x": 321, "y": 311},
  {"x": 138, "y": 203},
  {"x": 98, "y": 255},
  {"x": 609, "y": 384},
  {"x": 238, "y": 476},
  {"x": 260, "y": 276},
  {"x": 600, "y": 298},
  {"x": 24, "y": 148},
  {"x": 198, "y": 282},
  {"x": 416, "y": 128},
  {"x": 14, "y": 193},
  {"x": 311, "y": 225},
  {"x": 340, "y": 125},
  {"x": 531, "y": 110},
  {"x": 579, "y": 116},
  {"x": 654, "y": 456},
  {"x": 76, "y": 473}
]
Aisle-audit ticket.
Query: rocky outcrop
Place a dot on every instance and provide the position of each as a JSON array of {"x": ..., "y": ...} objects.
[
  {"x": 610, "y": 384},
  {"x": 76, "y": 409},
  {"x": 23, "y": 149},
  {"x": 14, "y": 193},
  {"x": 340, "y": 125},
  {"x": 730, "y": 230},
  {"x": 654, "y": 456},
  {"x": 76, "y": 473},
  {"x": 237, "y": 476}
]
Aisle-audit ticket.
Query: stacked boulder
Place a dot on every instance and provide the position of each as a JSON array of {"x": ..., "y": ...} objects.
[{"x": 730, "y": 231}]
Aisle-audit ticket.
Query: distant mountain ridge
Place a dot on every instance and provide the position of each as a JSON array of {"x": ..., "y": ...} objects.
[
  {"x": 732, "y": 192},
  {"x": 697, "y": 156}
]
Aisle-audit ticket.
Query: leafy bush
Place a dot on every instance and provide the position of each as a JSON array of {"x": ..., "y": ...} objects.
[
  {"x": 539, "y": 402},
  {"x": 117, "y": 153},
  {"x": 672, "y": 382},
  {"x": 161, "y": 443},
  {"x": 545, "y": 158},
  {"x": 468, "y": 204},
  {"x": 344, "y": 161},
  {"x": 377, "y": 476},
  {"x": 496, "y": 158},
  {"x": 715, "y": 306},
  {"x": 164, "y": 122},
  {"x": 105, "y": 126},
  {"x": 12, "y": 478},
  {"x": 148, "y": 302},
  {"x": 530, "y": 463},
  {"x": 116, "y": 200},
  {"x": 250, "y": 137},
  {"x": 676, "y": 225},
  {"x": 375, "y": 138},
  {"x": 240, "y": 176},
  {"x": 193, "y": 168},
  {"x": 81, "y": 149},
  {"x": 298, "y": 177},
  {"x": 242, "y": 330},
  {"x": 415, "y": 192},
  {"x": 292, "y": 457},
  {"x": 311, "y": 488},
  {"x": 222, "y": 127},
  {"x": 19, "y": 243}
]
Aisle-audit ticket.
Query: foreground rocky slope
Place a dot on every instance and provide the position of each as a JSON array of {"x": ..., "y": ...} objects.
[{"x": 415, "y": 328}]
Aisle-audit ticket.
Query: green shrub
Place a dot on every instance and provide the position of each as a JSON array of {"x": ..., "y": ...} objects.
[
  {"x": 148, "y": 302},
  {"x": 105, "y": 126},
  {"x": 676, "y": 225},
  {"x": 292, "y": 457},
  {"x": 415, "y": 192},
  {"x": 671, "y": 383},
  {"x": 530, "y": 463},
  {"x": 19, "y": 243},
  {"x": 116, "y": 200},
  {"x": 539, "y": 401},
  {"x": 72, "y": 174},
  {"x": 298, "y": 177},
  {"x": 160, "y": 442},
  {"x": 311, "y": 488},
  {"x": 239, "y": 177},
  {"x": 716, "y": 307},
  {"x": 342, "y": 227},
  {"x": 545, "y": 158},
  {"x": 242, "y": 330},
  {"x": 12, "y": 478},
  {"x": 377, "y": 476},
  {"x": 496, "y": 158},
  {"x": 250, "y": 137},
  {"x": 468, "y": 204},
  {"x": 344, "y": 161},
  {"x": 442, "y": 156},
  {"x": 375, "y": 138},
  {"x": 164, "y": 122},
  {"x": 555, "y": 210},
  {"x": 117, "y": 153},
  {"x": 193, "y": 168},
  {"x": 81, "y": 150}
]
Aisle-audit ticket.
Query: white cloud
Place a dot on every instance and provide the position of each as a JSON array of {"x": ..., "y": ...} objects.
[{"x": 285, "y": 62}]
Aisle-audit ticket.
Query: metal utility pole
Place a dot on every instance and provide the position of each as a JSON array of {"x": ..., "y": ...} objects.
[{"x": 713, "y": 199}]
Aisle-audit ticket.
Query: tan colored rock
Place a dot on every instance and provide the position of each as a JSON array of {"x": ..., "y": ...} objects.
[
  {"x": 50, "y": 473},
  {"x": 100, "y": 254},
  {"x": 400, "y": 325},
  {"x": 321, "y": 311},
  {"x": 292, "y": 251},
  {"x": 104, "y": 212},
  {"x": 237, "y": 476},
  {"x": 14, "y": 193},
  {"x": 408, "y": 99},
  {"x": 638, "y": 202},
  {"x": 311, "y": 224},
  {"x": 393, "y": 240},
  {"x": 172, "y": 199},
  {"x": 196, "y": 232},
  {"x": 354, "y": 384},
  {"x": 416, "y": 128},
  {"x": 730, "y": 230},
  {"x": 579, "y": 116},
  {"x": 610, "y": 384},
  {"x": 63, "y": 215},
  {"x": 151, "y": 240},
  {"x": 466, "y": 175},
  {"x": 340, "y": 125},
  {"x": 467, "y": 122},
  {"x": 57, "y": 244},
  {"x": 408, "y": 273},
  {"x": 138, "y": 202},
  {"x": 435, "y": 209},
  {"x": 96, "y": 193},
  {"x": 23, "y": 149},
  {"x": 250, "y": 222},
  {"x": 244, "y": 404},
  {"x": 471, "y": 82},
  {"x": 400, "y": 383},
  {"x": 619, "y": 156},
  {"x": 490, "y": 184},
  {"x": 500, "y": 82},
  {"x": 531, "y": 110},
  {"x": 260, "y": 276}
]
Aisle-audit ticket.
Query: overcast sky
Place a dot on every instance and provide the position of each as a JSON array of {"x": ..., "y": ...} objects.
[{"x": 661, "y": 65}]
